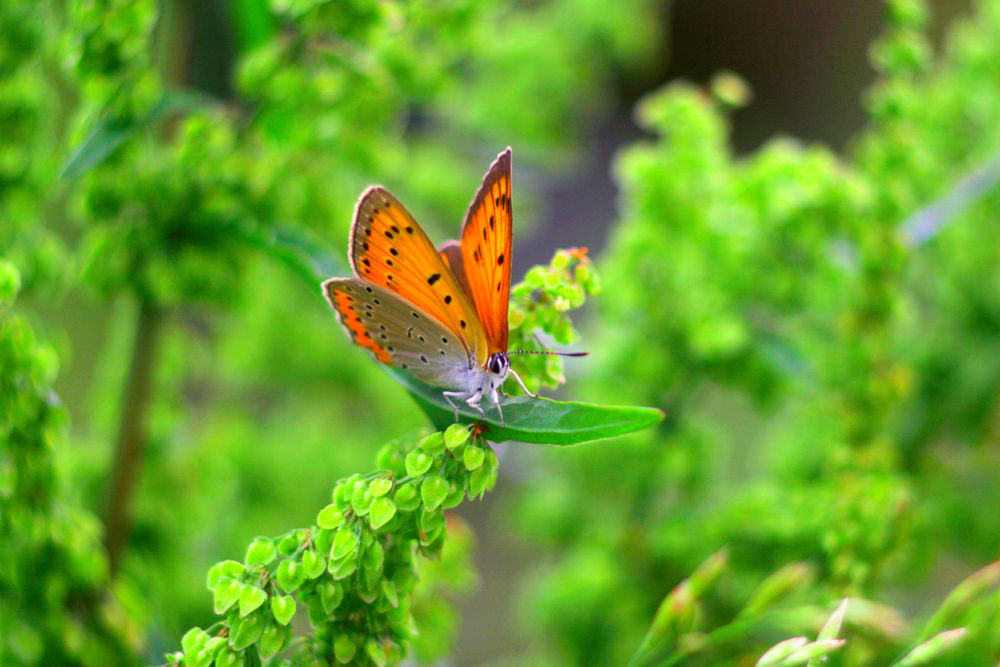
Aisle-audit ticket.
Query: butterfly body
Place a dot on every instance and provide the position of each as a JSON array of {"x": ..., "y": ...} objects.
[{"x": 437, "y": 313}]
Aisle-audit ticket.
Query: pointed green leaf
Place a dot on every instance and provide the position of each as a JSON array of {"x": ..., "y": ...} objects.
[
  {"x": 283, "y": 608},
  {"x": 246, "y": 632},
  {"x": 251, "y": 598},
  {"x": 313, "y": 564},
  {"x": 417, "y": 463},
  {"x": 344, "y": 649},
  {"x": 380, "y": 487},
  {"x": 330, "y": 594},
  {"x": 330, "y": 517},
  {"x": 381, "y": 513},
  {"x": 535, "y": 420},
  {"x": 290, "y": 575},
  {"x": 271, "y": 641},
  {"x": 260, "y": 552},
  {"x": 226, "y": 592},
  {"x": 777, "y": 653},
  {"x": 473, "y": 457},
  {"x": 407, "y": 497},
  {"x": 343, "y": 568},
  {"x": 111, "y": 133},
  {"x": 433, "y": 444},
  {"x": 433, "y": 491},
  {"x": 455, "y": 436},
  {"x": 932, "y": 648},
  {"x": 344, "y": 543}
]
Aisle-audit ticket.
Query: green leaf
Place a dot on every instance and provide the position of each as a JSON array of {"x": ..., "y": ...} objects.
[
  {"x": 381, "y": 513},
  {"x": 290, "y": 575},
  {"x": 932, "y": 649},
  {"x": 456, "y": 494},
  {"x": 361, "y": 499},
  {"x": 344, "y": 649},
  {"x": 260, "y": 552},
  {"x": 271, "y": 641},
  {"x": 777, "y": 653},
  {"x": 390, "y": 593},
  {"x": 227, "y": 591},
  {"x": 313, "y": 564},
  {"x": 330, "y": 517},
  {"x": 433, "y": 491},
  {"x": 251, "y": 598},
  {"x": 111, "y": 133},
  {"x": 283, "y": 608},
  {"x": 407, "y": 498},
  {"x": 473, "y": 458},
  {"x": 380, "y": 487},
  {"x": 433, "y": 444},
  {"x": 417, "y": 463},
  {"x": 193, "y": 640},
  {"x": 343, "y": 568},
  {"x": 308, "y": 259},
  {"x": 330, "y": 594},
  {"x": 344, "y": 542},
  {"x": 227, "y": 657},
  {"x": 455, "y": 436},
  {"x": 376, "y": 652},
  {"x": 535, "y": 420},
  {"x": 247, "y": 631}
]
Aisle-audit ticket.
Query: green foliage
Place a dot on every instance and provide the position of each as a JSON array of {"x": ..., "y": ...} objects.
[
  {"x": 179, "y": 215},
  {"x": 816, "y": 366},
  {"x": 820, "y": 330},
  {"x": 355, "y": 571},
  {"x": 56, "y": 606}
]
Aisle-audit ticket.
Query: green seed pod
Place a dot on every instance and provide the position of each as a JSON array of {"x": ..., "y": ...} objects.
[
  {"x": 433, "y": 491},
  {"x": 260, "y": 552}
]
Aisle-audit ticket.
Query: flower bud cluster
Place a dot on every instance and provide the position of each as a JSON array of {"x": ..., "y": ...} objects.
[{"x": 353, "y": 572}]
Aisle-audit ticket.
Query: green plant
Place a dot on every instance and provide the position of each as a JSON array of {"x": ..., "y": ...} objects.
[
  {"x": 56, "y": 602},
  {"x": 355, "y": 570},
  {"x": 802, "y": 341}
]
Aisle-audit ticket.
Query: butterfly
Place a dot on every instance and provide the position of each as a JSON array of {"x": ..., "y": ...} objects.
[{"x": 438, "y": 313}]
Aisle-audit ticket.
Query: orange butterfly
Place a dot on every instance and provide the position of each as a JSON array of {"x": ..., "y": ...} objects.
[{"x": 440, "y": 314}]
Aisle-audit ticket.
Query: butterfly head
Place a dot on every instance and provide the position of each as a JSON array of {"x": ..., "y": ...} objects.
[{"x": 498, "y": 364}]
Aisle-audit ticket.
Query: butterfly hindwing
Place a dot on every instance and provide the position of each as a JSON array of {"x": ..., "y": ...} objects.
[
  {"x": 485, "y": 252},
  {"x": 389, "y": 249},
  {"x": 397, "y": 332}
]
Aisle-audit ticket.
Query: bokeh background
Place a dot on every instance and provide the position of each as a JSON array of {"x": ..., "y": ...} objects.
[{"x": 748, "y": 177}]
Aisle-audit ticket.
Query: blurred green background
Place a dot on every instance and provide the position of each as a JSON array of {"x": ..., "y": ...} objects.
[{"x": 792, "y": 210}]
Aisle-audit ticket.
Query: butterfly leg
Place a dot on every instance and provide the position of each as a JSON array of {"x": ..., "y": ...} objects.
[
  {"x": 473, "y": 402},
  {"x": 496, "y": 402},
  {"x": 448, "y": 395},
  {"x": 521, "y": 382}
]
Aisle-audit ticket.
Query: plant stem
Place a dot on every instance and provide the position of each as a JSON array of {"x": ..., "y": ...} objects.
[{"x": 132, "y": 433}]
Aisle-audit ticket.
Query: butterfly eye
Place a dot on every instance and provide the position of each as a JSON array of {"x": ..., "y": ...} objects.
[{"x": 497, "y": 364}]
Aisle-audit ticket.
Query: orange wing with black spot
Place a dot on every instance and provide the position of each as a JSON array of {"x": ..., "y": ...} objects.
[
  {"x": 398, "y": 333},
  {"x": 338, "y": 292},
  {"x": 485, "y": 252},
  {"x": 388, "y": 248}
]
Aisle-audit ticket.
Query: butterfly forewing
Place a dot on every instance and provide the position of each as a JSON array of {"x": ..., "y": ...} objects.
[
  {"x": 398, "y": 332},
  {"x": 389, "y": 249},
  {"x": 485, "y": 252}
]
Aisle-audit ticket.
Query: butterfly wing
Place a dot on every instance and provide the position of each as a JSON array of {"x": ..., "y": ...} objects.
[
  {"x": 451, "y": 253},
  {"x": 389, "y": 249},
  {"x": 485, "y": 252},
  {"x": 399, "y": 333}
]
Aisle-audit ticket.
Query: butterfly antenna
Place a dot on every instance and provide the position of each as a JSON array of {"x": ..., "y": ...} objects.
[{"x": 559, "y": 354}]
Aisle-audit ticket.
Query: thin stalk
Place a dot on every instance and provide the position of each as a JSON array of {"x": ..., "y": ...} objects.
[{"x": 130, "y": 451}]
